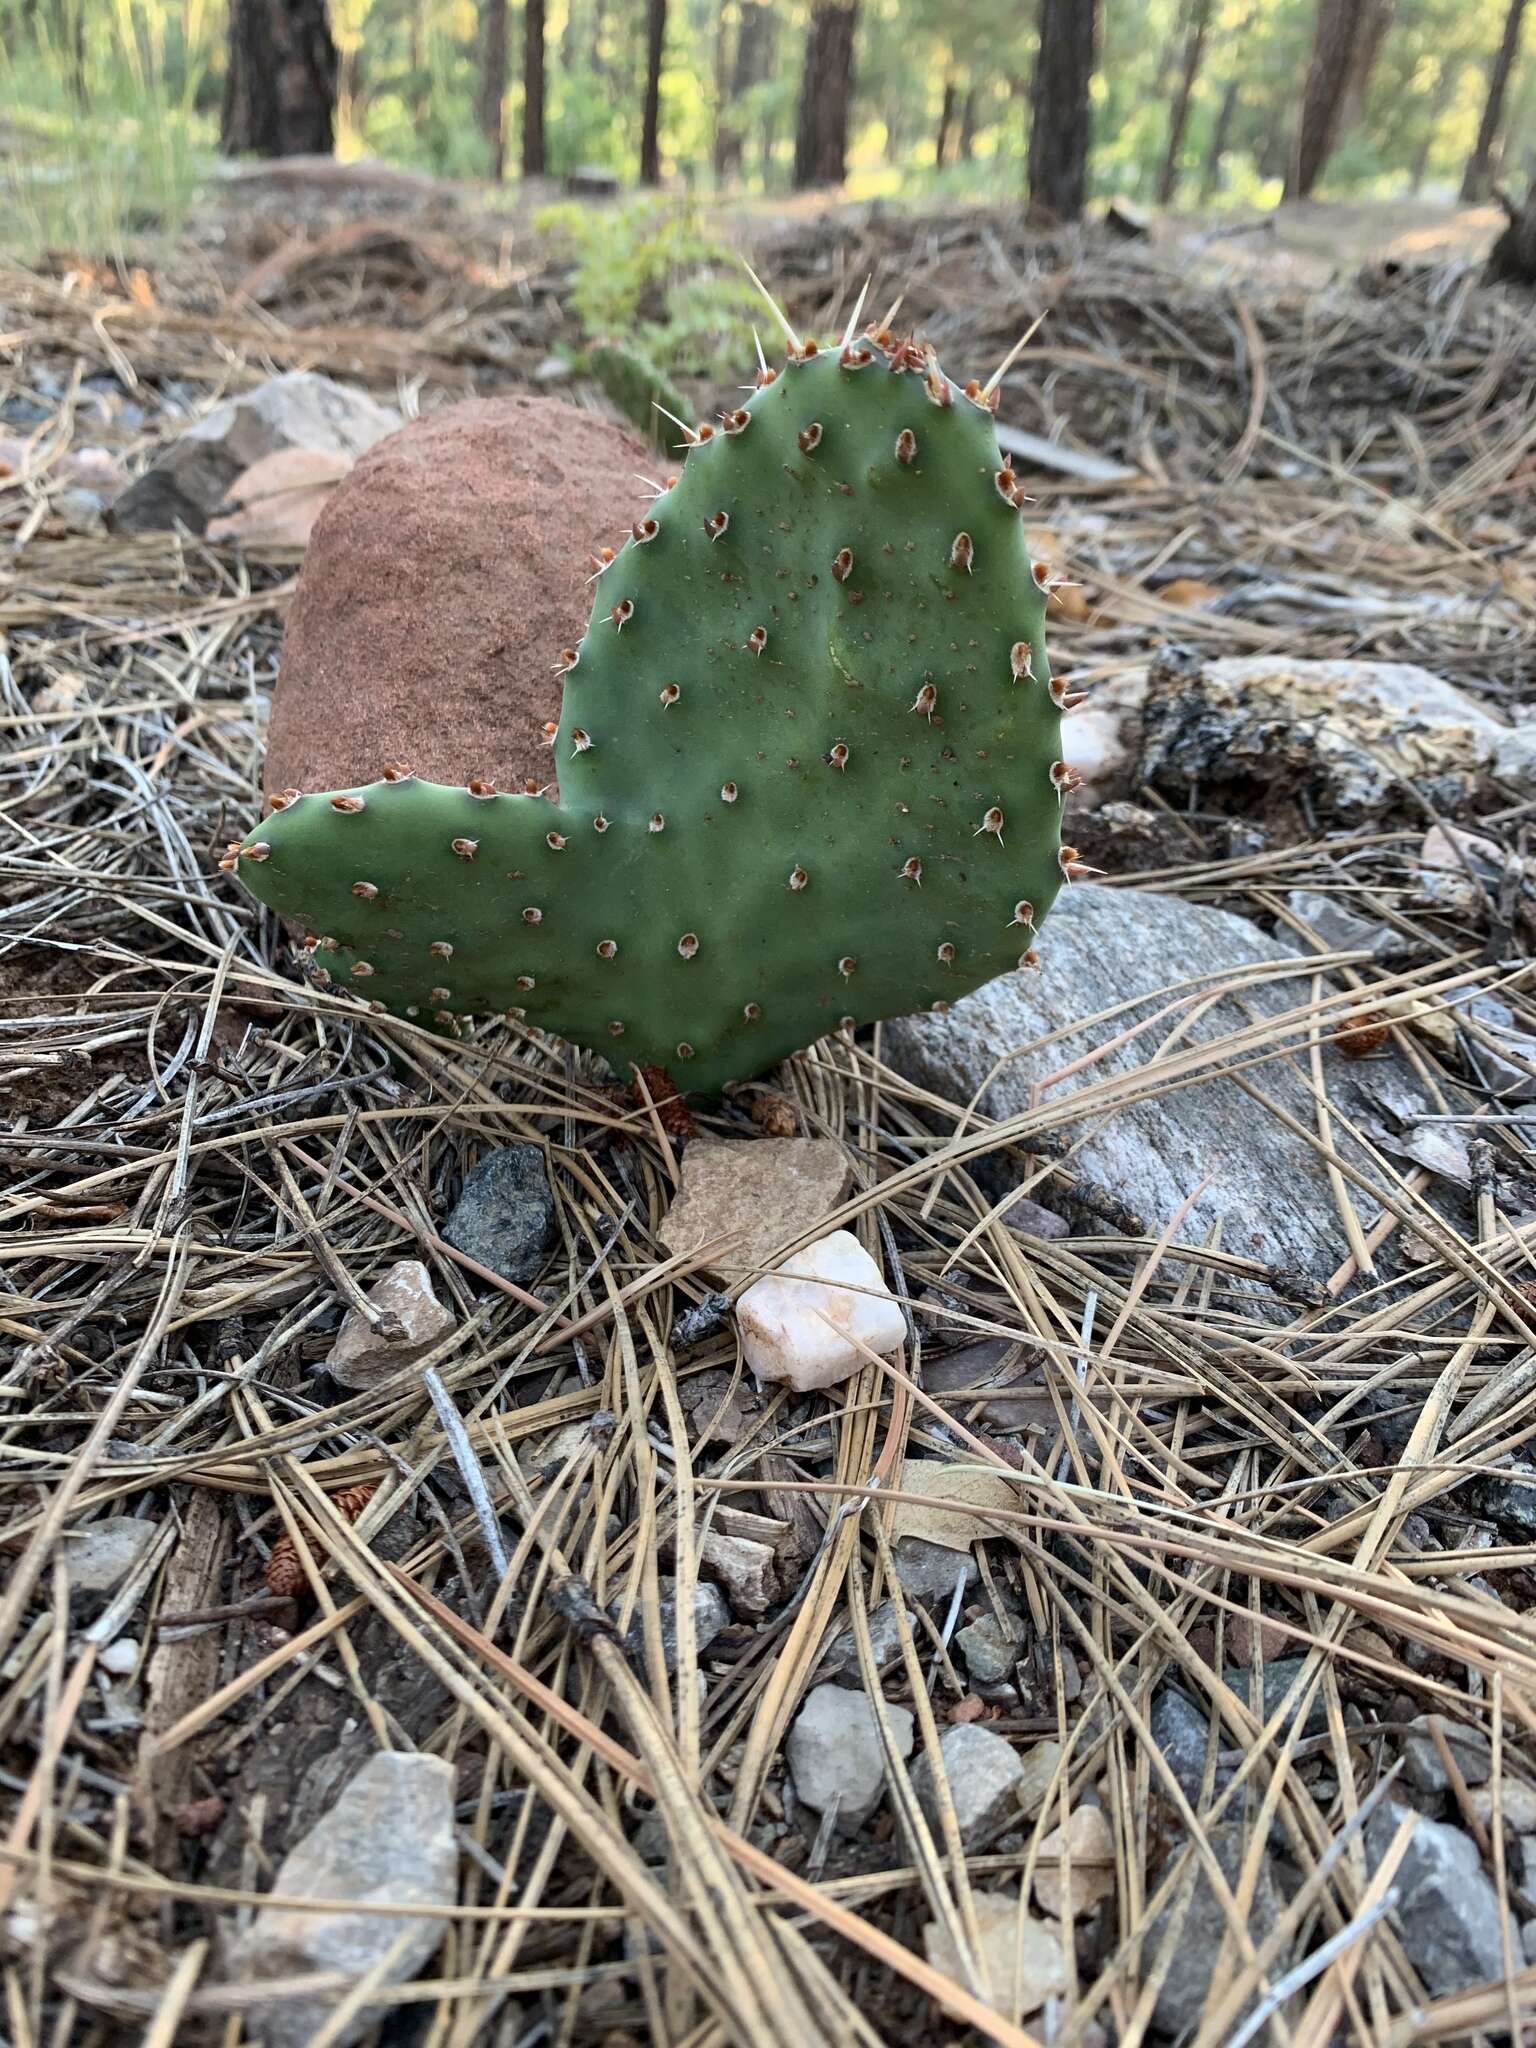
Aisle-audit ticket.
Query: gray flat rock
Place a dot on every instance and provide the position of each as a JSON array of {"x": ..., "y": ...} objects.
[
  {"x": 102, "y": 1554},
  {"x": 1448, "y": 1911},
  {"x": 388, "y": 1839},
  {"x": 1104, "y": 947},
  {"x": 192, "y": 474},
  {"x": 836, "y": 1756}
]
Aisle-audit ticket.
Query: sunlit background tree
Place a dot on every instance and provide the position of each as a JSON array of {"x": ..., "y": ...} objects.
[{"x": 1057, "y": 102}]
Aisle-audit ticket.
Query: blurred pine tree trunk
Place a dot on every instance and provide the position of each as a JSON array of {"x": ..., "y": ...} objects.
[
  {"x": 1477, "y": 183},
  {"x": 826, "y": 87},
  {"x": 280, "y": 85},
  {"x": 1061, "y": 120},
  {"x": 650, "y": 125},
  {"x": 492, "y": 108},
  {"x": 1197, "y": 29},
  {"x": 533, "y": 89},
  {"x": 1345, "y": 46}
]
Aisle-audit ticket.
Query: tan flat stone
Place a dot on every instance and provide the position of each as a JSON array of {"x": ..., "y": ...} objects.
[{"x": 749, "y": 1200}]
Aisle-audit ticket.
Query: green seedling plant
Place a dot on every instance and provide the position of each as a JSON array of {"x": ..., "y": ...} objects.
[{"x": 809, "y": 760}]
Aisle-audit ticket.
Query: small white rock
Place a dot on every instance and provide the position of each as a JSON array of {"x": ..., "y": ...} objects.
[
  {"x": 799, "y": 1324},
  {"x": 1087, "y": 1840},
  {"x": 1023, "y": 1964},
  {"x": 120, "y": 1657}
]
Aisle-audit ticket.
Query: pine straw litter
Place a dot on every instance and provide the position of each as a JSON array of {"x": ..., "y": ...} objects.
[{"x": 205, "y": 1161}]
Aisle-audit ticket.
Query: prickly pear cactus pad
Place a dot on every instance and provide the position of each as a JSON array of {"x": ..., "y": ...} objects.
[{"x": 809, "y": 760}]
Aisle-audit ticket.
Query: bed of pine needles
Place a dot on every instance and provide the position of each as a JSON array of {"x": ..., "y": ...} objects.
[{"x": 205, "y": 1161}]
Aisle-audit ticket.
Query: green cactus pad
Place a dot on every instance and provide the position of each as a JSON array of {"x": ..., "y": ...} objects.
[{"x": 809, "y": 758}]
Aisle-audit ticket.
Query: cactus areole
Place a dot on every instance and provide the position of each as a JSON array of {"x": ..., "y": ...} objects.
[{"x": 809, "y": 761}]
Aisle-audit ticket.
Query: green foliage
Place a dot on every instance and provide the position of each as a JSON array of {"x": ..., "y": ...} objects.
[
  {"x": 107, "y": 131},
  {"x": 652, "y": 270},
  {"x": 635, "y": 385},
  {"x": 807, "y": 759}
]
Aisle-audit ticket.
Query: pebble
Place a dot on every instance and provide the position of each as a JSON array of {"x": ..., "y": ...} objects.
[
  {"x": 991, "y": 1649},
  {"x": 751, "y": 1200},
  {"x": 1278, "y": 1678},
  {"x": 1448, "y": 1912},
  {"x": 1514, "y": 759},
  {"x": 389, "y": 1837},
  {"x": 1181, "y": 1731},
  {"x": 1024, "y": 1963},
  {"x": 884, "y": 1640},
  {"x": 1023, "y": 1213},
  {"x": 362, "y": 1355},
  {"x": 983, "y": 1771},
  {"x": 836, "y": 1755},
  {"x": 746, "y": 1568},
  {"x": 1086, "y": 1834},
  {"x": 1517, "y": 1802},
  {"x": 929, "y": 1571},
  {"x": 505, "y": 1217},
  {"x": 299, "y": 409},
  {"x": 1340, "y": 930},
  {"x": 798, "y": 1325},
  {"x": 1469, "y": 1747},
  {"x": 710, "y": 1615},
  {"x": 120, "y": 1657},
  {"x": 1273, "y": 1640},
  {"x": 1040, "y": 1763},
  {"x": 1186, "y": 1988},
  {"x": 102, "y": 1554}
]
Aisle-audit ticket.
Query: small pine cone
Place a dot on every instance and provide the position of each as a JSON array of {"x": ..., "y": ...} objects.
[
  {"x": 354, "y": 1499},
  {"x": 1365, "y": 1031},
  {"x": 285, "y": 1575},
  {"x": 199, "y": 1816},
  {"x": 676, "y": 1118},
  {"x": 775, "y": 1115}
]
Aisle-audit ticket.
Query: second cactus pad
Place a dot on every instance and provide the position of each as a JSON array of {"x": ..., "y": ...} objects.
[{"x": 809, "y": 757}]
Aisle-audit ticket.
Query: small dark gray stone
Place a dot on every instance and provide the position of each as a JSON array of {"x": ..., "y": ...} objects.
[
  {"x": 505, "y": 1217},
  {"x": 1180, "y": 1729},
  {"x": 1448, "y": 1910},
  {"x": 710, "y": 1615},
  {"x": 884, "y": 1640},
  {"x": 1509, "y": 1502},
  {"x": 1186, "y": 1989},
  {"x": 1279, "y": 1677},
  {"x": 928, "y": 1571},
  {"x": 990, "y": 1650},
  {"x": 1469, "y": 1747}
]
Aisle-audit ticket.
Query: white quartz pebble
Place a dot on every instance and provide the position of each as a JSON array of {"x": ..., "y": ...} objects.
[{"x": 805, "y": 1323}]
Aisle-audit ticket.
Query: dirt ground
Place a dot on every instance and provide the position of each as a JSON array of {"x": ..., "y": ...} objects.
[{"x": 1299, "y": 1513}]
